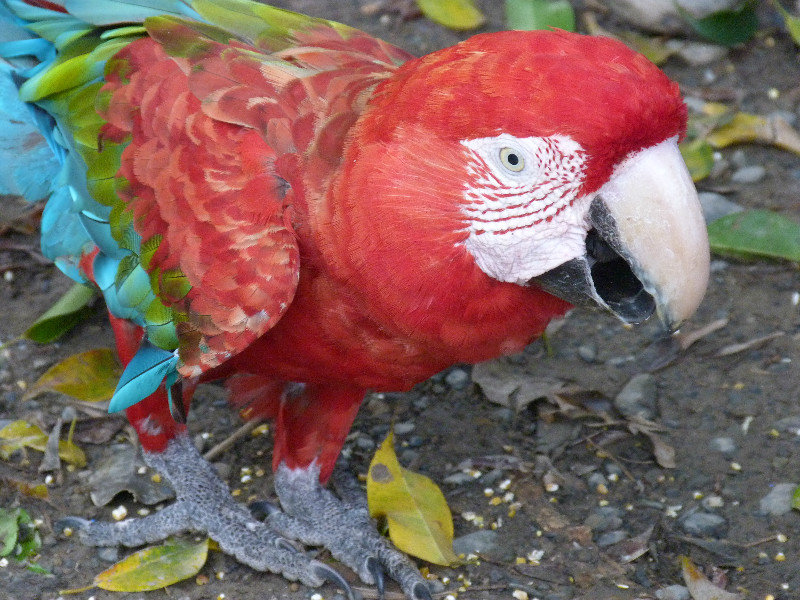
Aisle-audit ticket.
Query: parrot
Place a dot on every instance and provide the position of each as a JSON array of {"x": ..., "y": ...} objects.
[{"x": 311, "y": 214}]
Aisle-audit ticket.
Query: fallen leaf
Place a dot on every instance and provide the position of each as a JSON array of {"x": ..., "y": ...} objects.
[
  {"x": 417, "y": 514},
  {"x": 700, "y": 587},
  {"x": 507, "y": 384},
  {"x": 743, "y": 128},
  {"x": 792, "y": 23},
  {"x": 699, "y": 158},
  {"x": 90, "y": 376},
  {"x": 629, "y": 550},
  {"x": 19, "y": 538},
  {"x": 755, "y": 234},
  {"x": 71, "y": 308},
  {"x": 21, "y": 434},
  {"x": 454, "y": 14},
  {"x": 725, "y": 27},
  {"x": 154, "y": 568},
  {"x": 120, "y": 472},
  {"x": 529, "y": 15},
  {"x": 34, "y": 490}
]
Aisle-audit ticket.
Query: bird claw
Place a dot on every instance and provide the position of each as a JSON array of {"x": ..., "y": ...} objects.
[
  {"x": 74, "y": 523},
  {"x": 421, "y": 592},
  {"x": 376, "y": 570},
  {"x": 263, "y": 509},
  {"x": 333, "y": 576}
]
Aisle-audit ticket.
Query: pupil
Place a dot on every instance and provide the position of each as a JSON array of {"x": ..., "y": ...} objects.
[{"x": 513, "y": 159}]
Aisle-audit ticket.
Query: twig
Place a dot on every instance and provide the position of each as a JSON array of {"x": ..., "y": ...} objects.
[{"x": 244, "y": 430}]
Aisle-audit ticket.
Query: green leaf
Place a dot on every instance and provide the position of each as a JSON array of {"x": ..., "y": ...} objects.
[
  {"x": 756, "y": 234},
  {"x": 454, "y": 14},
  {"x": 70, "y": 309},
  {"x": 792, "y": 23},
  {"x": 154, "y": 568},
  {"x": 796, "y": 498},
  {"x": 89, "y": 376},
  {"x": 539, "y": 14},
  {"x": 18, "y": 535},
  {"x": 21, "y": 434},
  {"x": 419, "y": 519},
  {"x": 726, "y": 27},
  {"x": 9, "y": 529},
  {"x": 699, "y": 157}
]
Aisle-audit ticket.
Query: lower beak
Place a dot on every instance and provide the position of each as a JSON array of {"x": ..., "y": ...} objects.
[{"x": 647, "y": 248}]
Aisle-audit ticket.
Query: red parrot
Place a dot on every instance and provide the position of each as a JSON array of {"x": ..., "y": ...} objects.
[{"x": 313, "y": 214}]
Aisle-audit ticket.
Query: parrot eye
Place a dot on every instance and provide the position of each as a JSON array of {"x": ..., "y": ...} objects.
[{"x": 512, "y": 160}]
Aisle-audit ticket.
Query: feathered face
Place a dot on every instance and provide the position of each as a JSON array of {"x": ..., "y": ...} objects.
[{"x": 563, "y": 152}]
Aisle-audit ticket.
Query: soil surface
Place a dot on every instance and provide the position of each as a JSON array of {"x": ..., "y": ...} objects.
[{"x": 730, "y": 413}]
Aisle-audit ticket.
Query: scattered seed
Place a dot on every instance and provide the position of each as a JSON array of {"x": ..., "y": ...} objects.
[
  {"x": 697, "y": 495},
  {"x": 496, "y": 500},
  {"x": 520, "y": 594},
  {"x": 780, "y": 557},
  {"x": 8, "y": 276},
  {"x": 236, "y": 492},
  {"x": 260, "y": 472},
  {"x": 773, "y": 93},
  {"x": 781, "y": 538},
  {"x": 508, "y": 497},
  {"x": 246, "y": 478},
  {"x": 119, "y": 513},
  {"x": 220, "y": 575},
  {"x": 316, "y": 597},
  {"x": 143, "y": 512},
  {"x": 67, "y": 531},
  {"x": 3, "y": 562},
  {"x": 535, "y": 556},
  {"x": 520, "y": 560},
  {"x": 736, "y": 466},
  {"x": 262, "y": 429},
  {"x": 155, "y": 478},
  {"x": 488, "y": 492},
  {"x": 551, "y": 487},
  {"x": 505, "y": 484},
  {"x": 245, "y": 470},
  {"x": 445, "y": 580},
  {"x": 603, "y": 502}
]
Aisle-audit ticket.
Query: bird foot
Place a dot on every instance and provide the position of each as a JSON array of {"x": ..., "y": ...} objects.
[
  {"x": 315, "y": 516},
  {"x": 204, "y": 504}
]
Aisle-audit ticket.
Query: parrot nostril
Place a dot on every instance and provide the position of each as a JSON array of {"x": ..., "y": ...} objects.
[{"x": 615, "y": 282}]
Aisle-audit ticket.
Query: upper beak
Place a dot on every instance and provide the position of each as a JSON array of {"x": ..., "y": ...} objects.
[{"x": 647, "y": 248}]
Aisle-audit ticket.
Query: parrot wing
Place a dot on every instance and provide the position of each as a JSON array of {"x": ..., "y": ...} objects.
[{"x": 171, "y": 121}]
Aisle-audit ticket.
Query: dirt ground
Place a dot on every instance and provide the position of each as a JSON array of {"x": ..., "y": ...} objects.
[{"x": 732, "y": 419}]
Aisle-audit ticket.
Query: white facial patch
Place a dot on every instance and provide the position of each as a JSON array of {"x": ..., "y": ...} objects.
[{"x": 523, "y": 212}]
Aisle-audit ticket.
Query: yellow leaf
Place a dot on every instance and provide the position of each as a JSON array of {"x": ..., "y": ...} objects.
[
  {"x": 90, "y": 376},
  {"x": 745, "y": 128},
  {"x": 154, "y": 568},
  {"x": 419, "y": 519},
  {"x": 21, "y": 434},
  {"x": 700, "y": 587},
  {"x": 455, "y": 14}
]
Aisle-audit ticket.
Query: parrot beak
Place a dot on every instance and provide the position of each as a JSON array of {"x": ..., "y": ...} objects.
[{"x": 647, "y": 247}]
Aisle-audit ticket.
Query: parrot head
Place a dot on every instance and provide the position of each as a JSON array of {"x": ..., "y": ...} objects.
[{"x": 553, "y": 160}]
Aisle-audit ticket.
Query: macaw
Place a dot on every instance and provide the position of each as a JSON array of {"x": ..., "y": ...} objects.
[{"x": 311, "y": 213}]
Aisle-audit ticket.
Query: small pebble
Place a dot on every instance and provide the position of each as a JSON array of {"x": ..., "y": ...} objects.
[
  {"x": 779, "y": 500},
  {"x": 109, "y": 554},
  {"x": 673, "y": 592},
  {"x": 716, "y": 205},
  {"x": 404, "y": 428},
  {"x": 457, "y": 379},
  {"x": 750, "y": 174},
  {"x": 725, "y": 445},
  {"x": 484, "y": 541},
  {"x": 612, "y": 537},
  {"x": 638, "y": 397},
  {"x": 703, "y": 524},
  {"x": 587, "y": 352}
]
